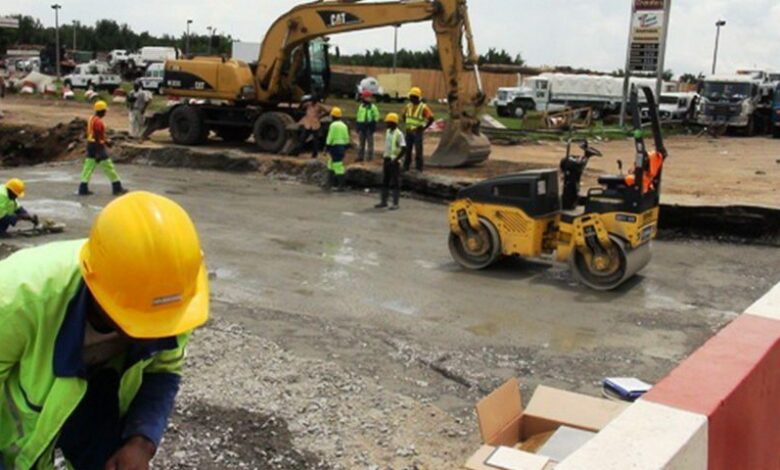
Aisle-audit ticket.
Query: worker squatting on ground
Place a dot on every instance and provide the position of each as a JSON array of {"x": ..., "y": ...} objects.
[
  {"x": 391, "y": 169},
  {"x": 367, "y": 118},
  {"x": 93, "y": 338},
  {"x": 10, "y": 209},
  {"x": 97, "y": 141},
  {"x": 311, "y": 125},
  {"x": 418, "y": 117},
  {"x": 137, "y": 102},
  {"x": 337, "y": 144}
]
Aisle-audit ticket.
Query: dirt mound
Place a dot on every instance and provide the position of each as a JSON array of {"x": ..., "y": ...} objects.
[
  {"x": 207, "y": 437},
  {"x": 26, "y": 145}
]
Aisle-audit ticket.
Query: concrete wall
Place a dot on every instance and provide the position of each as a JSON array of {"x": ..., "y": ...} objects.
[{"x": 719, "y": 410}]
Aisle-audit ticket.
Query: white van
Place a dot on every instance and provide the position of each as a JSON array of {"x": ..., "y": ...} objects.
[
  {"x": 95, "y": 74},
  {"x": 152, "y": 79}
]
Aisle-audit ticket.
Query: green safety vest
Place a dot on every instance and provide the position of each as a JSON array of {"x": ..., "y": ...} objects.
[
  {"x": 8, "y": 206},
  {"x": 338, "y": 134},
  {"x": 368, "y": 113},
  {"x": 394, "y": 136},
  {"x": 414, "y": 116},
  {"x": 37, "y": 285}
]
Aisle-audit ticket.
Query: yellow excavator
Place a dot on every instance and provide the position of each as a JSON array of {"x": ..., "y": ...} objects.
[
  {"x": 605, "y": 236},
  {"x": 236, "y": 100}
]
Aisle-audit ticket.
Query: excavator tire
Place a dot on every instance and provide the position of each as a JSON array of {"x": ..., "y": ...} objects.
[
  {"x": 270, "y": 131},
  {"x": 187, "y": 126}
]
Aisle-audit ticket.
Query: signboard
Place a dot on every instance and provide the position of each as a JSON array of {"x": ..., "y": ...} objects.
[
  {"x": 647, "y": 34},
  {"x": 8, "y": 22}
]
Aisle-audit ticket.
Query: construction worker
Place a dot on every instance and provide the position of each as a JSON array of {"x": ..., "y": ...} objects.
[
  {"x": 93, "y": 338},
  {"x": 97, "y": 141},
  {"x": 311, "y": 125},
  {"x": 391, "y": 170},
  {"x": 367, "y": 117},
  {"x": 418, "y": 117},
  {"x": 137, "y": 102},
  {"x": 10, "y": 210},
  {"x": 337, "y": 144}
]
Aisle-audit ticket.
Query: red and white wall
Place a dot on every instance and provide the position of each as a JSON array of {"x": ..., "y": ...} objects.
[{"x": 719, "y": 410}]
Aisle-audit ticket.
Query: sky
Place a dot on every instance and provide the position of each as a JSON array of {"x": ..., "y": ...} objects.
[{"x": 590, "y": 34}]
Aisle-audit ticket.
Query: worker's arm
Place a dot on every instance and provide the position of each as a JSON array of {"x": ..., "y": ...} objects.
[
  {"x": 429, "y": 116},
  {"x": 15, "y": 328},
  {"x": 401, "y": 146},
  {"x": 148, "y": 414},
  {"x": 22, "y": 214}
]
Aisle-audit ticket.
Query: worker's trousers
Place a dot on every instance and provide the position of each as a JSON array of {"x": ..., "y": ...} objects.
[
  {"x": 5, "y": 223},
  {"x": 414, "y": 145},
  {"x": 93, "y": 433},
  {"x": 136, "y": 124},
  {"x": 106, "y": 165},
  {"x": 366, "y": 133},
  {"x": 391, "y": 179}
]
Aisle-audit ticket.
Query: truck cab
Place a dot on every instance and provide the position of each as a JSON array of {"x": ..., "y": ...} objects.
[{"x": 730, "y": 101}]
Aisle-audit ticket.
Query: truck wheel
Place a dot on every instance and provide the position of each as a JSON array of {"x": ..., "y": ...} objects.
[
  {"x": 516, "y": 110},
  {"x": 502, "y": 111},
  {"x": 187, "y": 126},
  {"x": 233, "y": 134},
  {"x": 597, "y": 114},
  {"x": 68, "y": 84},
  {"x": 750, "y": 129},
  {"x": 270, "y": 131}
]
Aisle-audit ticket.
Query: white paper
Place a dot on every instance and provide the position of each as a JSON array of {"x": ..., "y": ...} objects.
[
  {"x": 630, "y": 384},
  {"x": 565, "y": 442},
  {"x": 507, "y": 458}
]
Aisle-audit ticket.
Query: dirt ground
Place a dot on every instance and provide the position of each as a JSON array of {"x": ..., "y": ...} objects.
[
  {"x": 701, "y": 170},
  {"x": 346, "y": 338}
]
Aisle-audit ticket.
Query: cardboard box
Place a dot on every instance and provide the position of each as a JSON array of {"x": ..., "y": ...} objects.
[{"x": 504, "y": 422}]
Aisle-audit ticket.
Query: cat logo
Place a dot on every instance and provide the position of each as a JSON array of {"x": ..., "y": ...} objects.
[{"x": 335, "y": 19}]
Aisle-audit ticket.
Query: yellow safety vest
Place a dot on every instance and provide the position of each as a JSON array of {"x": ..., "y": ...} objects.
[{"x": 413, "y": 116}]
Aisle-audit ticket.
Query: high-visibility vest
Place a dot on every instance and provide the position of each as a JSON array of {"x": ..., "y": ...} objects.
[
  {"x": 37, "y": 285},
  {"x": 338, "y": 134},
  {"x": 8, "y": 206},
  {"x": 414, "y": 116},
  {"x": 367, "y": 113},
  {"x": 91, "y": 129},
  {"x": 394, "y": 136}
]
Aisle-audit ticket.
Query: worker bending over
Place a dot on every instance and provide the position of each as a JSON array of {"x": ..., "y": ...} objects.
[
  {"x": 10, "y": 210},
  {"x": 418, "y": 117},
  {"x": 137, "y": 102},
  {"x": 311, "y": 124},
  {"x": 93, "y": 338},
  {"x": 97, "y": 141},
  {"x": 337, "y": 144},
  {"x": 391, "y": 169},
  {"x": 367, "y": 117}
]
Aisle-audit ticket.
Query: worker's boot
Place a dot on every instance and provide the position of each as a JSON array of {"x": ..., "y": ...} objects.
[
  {"x": 340, "y": 180},
  {"x": 84, "y": 190},
  {"x": 383, "y": 204},
  {"x": 117, "y": 188}
]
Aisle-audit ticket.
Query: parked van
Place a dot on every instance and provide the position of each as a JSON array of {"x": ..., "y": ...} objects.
[{"x": 152, "y": 79}]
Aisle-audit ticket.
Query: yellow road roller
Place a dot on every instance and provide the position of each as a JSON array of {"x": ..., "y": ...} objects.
[{"x": 604, "y": 235}]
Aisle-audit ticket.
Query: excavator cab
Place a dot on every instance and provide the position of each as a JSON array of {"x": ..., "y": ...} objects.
[{"x": 605, "y": 241}]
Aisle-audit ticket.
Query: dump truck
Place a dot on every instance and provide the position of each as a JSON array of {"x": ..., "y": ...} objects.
[{"x": 236, "y": 100}]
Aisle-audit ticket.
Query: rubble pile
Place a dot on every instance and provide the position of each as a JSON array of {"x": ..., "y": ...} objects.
[{"x": 25, "y": 145}]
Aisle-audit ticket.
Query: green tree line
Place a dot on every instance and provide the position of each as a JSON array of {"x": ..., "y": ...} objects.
[
  {"x": 103, "y": 36},
  {"x": 427, "y": 59}
]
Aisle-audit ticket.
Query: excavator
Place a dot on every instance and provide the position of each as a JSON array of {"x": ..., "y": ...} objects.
[
  {"x": 236, "y": 100},
  {"x": 604, "y": 236}
]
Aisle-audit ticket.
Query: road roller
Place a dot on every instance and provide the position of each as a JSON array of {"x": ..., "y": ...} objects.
[{"x": 604, "y": 236}]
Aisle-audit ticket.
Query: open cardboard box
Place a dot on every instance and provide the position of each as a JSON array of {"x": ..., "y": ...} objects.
[{"x": 504, "y": 422}]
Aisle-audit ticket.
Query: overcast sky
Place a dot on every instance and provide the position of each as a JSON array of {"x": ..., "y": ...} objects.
[{"x": 581, "y": 33}]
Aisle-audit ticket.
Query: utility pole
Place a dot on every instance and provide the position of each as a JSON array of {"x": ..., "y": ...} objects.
[
  {"x": 718, "y": 25},
  {"x": 56, "y": 7},
  {"x": 395, "y": 48},
  {"x": 187, "y": 43},
  {"x": 75, "y": 27}
]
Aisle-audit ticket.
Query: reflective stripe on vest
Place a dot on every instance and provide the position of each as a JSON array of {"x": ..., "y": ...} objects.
[
  {"x": 414, "y": 116},
  {"x": 90, "y": 129}
]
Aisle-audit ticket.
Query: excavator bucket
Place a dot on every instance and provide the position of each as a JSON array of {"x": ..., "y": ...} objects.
[{"x": 462, "y": 144}]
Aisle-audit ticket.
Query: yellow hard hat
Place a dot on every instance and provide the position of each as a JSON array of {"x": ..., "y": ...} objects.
[
  {"x": 416, "y": 91},
  {"x": 144, "y": 266},
  {"x": 336, "y": 112},
  {"x": 392, "y": 117},
  {"x": 100, "y": 105},
  {"x": 17, "y": 186}
]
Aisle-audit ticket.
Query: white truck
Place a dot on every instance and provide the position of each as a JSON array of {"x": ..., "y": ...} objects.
[
  {"x": 153, "y": 78},
  {"x": 678, "y": 106},
  {"x": 734, "y": 102},
  {"x": 98, "y": 75},
  {"x": 558, "y": 91},
  {"x": 151, "y": 55}
]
